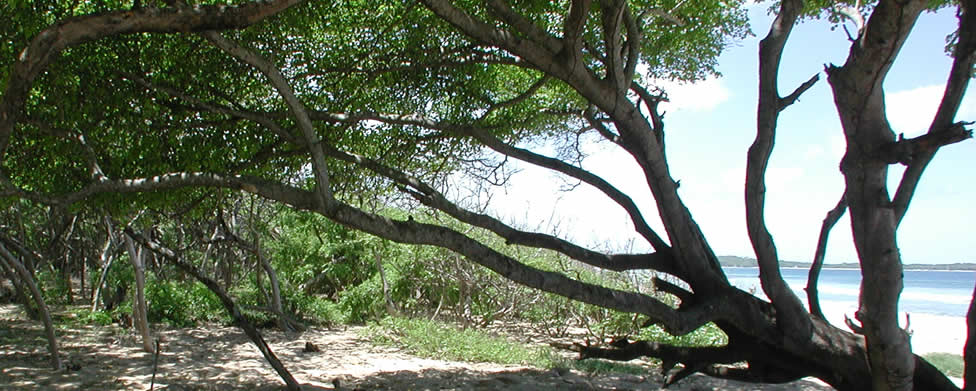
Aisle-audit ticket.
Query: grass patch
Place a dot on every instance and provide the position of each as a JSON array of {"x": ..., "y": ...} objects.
[
  {"x": 432, "y": 339},
  {"x": 950, "y": 364}
]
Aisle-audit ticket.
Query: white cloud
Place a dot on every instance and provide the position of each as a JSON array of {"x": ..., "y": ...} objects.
[
  {"x": 704, "y": 95},
  {"x": 911, "y": 111}
]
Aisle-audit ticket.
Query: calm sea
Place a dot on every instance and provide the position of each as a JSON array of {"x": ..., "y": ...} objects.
[{"x": 930, "y": 292}]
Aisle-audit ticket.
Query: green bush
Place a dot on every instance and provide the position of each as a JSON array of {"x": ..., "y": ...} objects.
[
  {"x": 707, "y": 335},
  {"x": 182, "y": 304}
]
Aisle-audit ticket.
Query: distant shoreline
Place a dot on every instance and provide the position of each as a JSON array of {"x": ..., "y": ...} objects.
[{"x": 735, "y": 261}]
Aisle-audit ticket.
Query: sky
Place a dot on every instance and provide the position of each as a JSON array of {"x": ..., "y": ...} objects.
[{"x": 710, "y": 125}]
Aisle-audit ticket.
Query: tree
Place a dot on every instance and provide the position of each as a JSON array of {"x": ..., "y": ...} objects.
[{"x": 311, "y": 105}]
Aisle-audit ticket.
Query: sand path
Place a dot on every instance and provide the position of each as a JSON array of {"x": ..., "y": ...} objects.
[{"x": 221, "y": 358}]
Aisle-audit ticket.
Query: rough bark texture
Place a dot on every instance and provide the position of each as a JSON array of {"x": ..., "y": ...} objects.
[{"x": 859, "y": 98}]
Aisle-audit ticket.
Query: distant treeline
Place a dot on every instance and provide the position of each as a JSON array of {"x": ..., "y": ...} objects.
[{"x": 734, "y": 261}]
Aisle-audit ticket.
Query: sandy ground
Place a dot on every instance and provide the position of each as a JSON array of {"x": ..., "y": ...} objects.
[
  {"x": 930, "y": 333},
  {"x": 222, "y": 358}
]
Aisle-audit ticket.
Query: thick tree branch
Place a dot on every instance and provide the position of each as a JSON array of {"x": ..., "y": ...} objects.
[
  {"x": 958, "y": 82},
  {"x": 625, "y": 351},
  {"x": 489, "y": 140},
  {"x": 790, "y": 314},
  {"x": 48, "y": 44},
  {"x": 525, "y": 26},
  {"x": 612, "y": 14},
  {"x": 429, "y": 196},
  {"x": 579, "y": 11},
  {"x": 277, "y": 79},
  {"x": 488, "y": 34},
  {"x": 906, "y": 151},
  {"x": 813, "y": 297},
  {"x": 413, "y": 232},
  {"x": 859, "y": 98}
]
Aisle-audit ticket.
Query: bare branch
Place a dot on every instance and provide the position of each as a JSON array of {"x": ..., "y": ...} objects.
[
  {"x": 789, "y": 310},
  {"x": 409, "y": 231},
  {"x": 429, "y": 196},
  {"x": 232, "y": 308},
  {"x": 792, "y": 97},
  {"x": 906, "y": 151},
  {"x": 489, "y": 140},
  {"x": 813, "y": 298},
  {"x": 964, "y": 62}
]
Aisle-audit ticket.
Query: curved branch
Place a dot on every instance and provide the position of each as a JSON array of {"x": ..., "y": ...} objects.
[
  {"x": 789, "y": 310},
  {"x": 520, "y": 98},
  {"x": 429, "y": 196},
  {"x": 525, "y": 26},
  {"x": 277, "y": 79},
  {"x": 489, "y": 140},
  {"x": 813, "y": 297},
  {"x": 48, "y": 44},
  {"x": 413, "y": 232},
  {"x": 232, "y": 308}
]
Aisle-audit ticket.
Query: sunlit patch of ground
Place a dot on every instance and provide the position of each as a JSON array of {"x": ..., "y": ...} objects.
[{"x": 222, "y": 358}]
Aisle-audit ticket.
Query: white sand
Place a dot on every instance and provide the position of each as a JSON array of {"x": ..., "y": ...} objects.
[{"x": 930, "y": 333}]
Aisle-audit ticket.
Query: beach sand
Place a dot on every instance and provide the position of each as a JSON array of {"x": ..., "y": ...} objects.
[{"x": 930, "y": 333}]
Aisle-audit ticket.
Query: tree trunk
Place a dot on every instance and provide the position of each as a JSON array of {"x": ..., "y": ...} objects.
[
  {"x": 275, "y": 303},
  {"x": 229, "y": 305},
  {"x": 969, "y": 352},
  {"x": 105, "y": 262},
  {"x": 391, "y": 308},
  {"x": 21, "y": 292},
  {"x": 26, "y": 278},
  {"x": 139, "y": 311}
]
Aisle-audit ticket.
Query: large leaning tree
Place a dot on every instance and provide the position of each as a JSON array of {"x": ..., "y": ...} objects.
[{"x": 314, "y": 104}]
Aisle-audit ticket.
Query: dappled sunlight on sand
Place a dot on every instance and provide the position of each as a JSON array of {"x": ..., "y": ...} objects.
[{"x": 222, "y": 358}]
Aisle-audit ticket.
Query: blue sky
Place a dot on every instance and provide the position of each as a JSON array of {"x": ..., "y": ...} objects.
[{"x": 711, "y": 124}]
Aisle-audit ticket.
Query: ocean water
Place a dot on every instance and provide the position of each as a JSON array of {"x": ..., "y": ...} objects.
[{"x": 928, "y": 292}]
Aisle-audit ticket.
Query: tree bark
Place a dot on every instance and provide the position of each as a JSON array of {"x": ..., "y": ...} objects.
[
  {"x": 20, "y": 290},
  {"x": 26, "y": 278},
  {"x": 813, "y": 297},
  {"x": 140, "y": 317},
  {"x": 859, "y": 98},
  {"x": 969, "y": 352},
  {"x": 228, "y": 303},
  {"x": 105, "y": 258}
]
